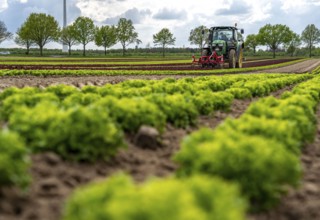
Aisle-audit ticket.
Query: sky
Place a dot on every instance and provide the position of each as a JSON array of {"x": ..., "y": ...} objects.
[{"x": 179, "y": 16}]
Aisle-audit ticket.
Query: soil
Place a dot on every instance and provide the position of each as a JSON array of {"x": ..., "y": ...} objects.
[
  {"x": 301, "y": 67},
  {"x": 54, "y": 179},
  {"x": 142, "y": 67},
  {"x": 80, "y": 81}
]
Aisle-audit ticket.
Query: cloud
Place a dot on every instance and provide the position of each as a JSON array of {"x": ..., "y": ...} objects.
[
  {"x": 135, "y": 15},
  {"x": 170, "y": 14},
  {"x": 235, "y": 8},
  {"x": 3, "y": 5},
  {"x": 18, "y": 11}
]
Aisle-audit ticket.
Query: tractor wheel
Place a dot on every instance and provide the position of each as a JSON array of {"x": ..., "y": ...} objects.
[
  {"x": 232, "y": 58},
  {"x": 240, "y": 58}
]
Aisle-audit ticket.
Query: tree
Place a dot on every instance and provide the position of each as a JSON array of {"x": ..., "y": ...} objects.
[
  {"x": 199, "y": 36},
  {"x": 84, "y": 31},
  {"x": 251, "y": 42},
  {"x": 23, "y": 38},
  {"x": 274, "y": 35},
  {"x": 293, "y": 44},
  {"x": 42, "y": 29},
  {"x": 106, "y": 36},
  {"x": 310, "y": 36},
  {"x": 163, "y": 38},
  {"x": 68, "y": 36},
  {"x": 126, "y": 33},
  {"x": 4, "y": 34}
]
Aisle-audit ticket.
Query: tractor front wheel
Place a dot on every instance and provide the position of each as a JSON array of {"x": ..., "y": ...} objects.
[{"x": 232, "y": 58}]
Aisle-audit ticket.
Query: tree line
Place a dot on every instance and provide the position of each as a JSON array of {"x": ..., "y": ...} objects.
[
  {"x": 40, "y": 29},
  {"x": 278, "y": 35},
  {"x": 272, "y": 36}
]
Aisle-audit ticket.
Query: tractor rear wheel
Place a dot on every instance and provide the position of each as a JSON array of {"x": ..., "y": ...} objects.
[
  {"x": 240, "y": 58},
  {"x": 232, "y": 58}
]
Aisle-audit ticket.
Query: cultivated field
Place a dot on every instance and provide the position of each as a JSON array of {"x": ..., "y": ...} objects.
[{"x": 190, "y": 143}]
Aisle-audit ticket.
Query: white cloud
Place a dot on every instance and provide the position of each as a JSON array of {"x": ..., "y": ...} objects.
[
  {"x": 179, "y": 16},
  {"x": 3, "y": 5}
]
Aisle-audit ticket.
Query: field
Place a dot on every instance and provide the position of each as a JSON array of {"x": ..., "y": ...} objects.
[{"x": 219, "y": 143}]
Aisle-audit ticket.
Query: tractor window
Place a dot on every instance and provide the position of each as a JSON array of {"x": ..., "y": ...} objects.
[
  {"x": 240, "y": 37},
  {"x": 222, "y": 34}
]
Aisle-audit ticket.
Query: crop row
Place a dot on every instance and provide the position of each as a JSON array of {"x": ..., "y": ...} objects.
[
  {"x": 88, "y": 124},
  {"x": 89, "y": 62},
  {"x": 196, "y": 70},
  {"x": 257, "y": 154}
]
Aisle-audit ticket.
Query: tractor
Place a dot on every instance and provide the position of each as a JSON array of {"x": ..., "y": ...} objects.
[{"x": 225, "y": 44}]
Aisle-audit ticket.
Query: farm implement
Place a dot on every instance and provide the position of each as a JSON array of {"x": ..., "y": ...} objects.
[{"x": 225, "y": 44}]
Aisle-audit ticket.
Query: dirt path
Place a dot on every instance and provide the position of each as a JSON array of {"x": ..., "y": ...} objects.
[{"x": 301, "y": 67}]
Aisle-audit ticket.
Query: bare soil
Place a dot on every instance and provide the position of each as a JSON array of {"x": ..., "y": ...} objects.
[
  {"x": 301, "y": 67},
  {"x": 54, "y": 179},
  {"x": 92, "y": 66},
  {"x": 80, "y": 81}
]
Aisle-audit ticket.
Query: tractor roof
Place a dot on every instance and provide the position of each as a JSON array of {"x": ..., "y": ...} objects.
[{"x": 224, "y": 27}]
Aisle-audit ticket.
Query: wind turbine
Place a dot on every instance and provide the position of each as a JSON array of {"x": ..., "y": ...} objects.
[{"x": 64, "y": 46}]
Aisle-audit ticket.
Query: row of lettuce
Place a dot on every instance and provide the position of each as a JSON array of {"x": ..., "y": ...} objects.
[
  {"x": 88, "y": 124},
  {"x": 248, "y": 162},
  {"x": 85, "y": 72}
]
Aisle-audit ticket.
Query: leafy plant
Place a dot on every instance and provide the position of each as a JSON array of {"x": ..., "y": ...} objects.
[
  {"x": 76, "y": 133},
  {"x": 14, "y": 160},
  {"x": 251, "y": 161},
  {"x": 197, "y": 197}
]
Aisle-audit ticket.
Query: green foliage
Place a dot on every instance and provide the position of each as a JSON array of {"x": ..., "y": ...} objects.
[
  {"x": 197, "y": 37},
  {"x": 251, "y": 161},
  {"x": 126, "y": 33},
  {"x": 14, "y": 160},
  {"x": 250, "y": 150},
  {"x": 19, "y": 100},
  {"x": 297, "y": 110},
  {"x": 14, "y": 90},
  {"x": 23, "y": 37},
  {"x": 4, "y": 33},
  {"x": 163, "y": 38},
  {"x": 41, "y": 29},
  {"x": 84, "y": 31},
  {"x": 282, "y": 131},
  {"x": 83, "y": 99},
  {"x": 294, "y": 44},
  {"x": 207, "y": 101},
  {"x": 179, "y": 109},
  {"x": 68, "y": 36},
  {"x": 118, "y": 197},
  {"x": 310, "y": 36},
  {"x": 131, "y": 113},
  {"x": 76, "y": 134},
  {"x": 105, "y": 36},
  {"x": 240, "y": 93},
  {"x": 274, "y": 35},
  {"x": 251, "y": 42},
  {"x": 62, "y": 91}
]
